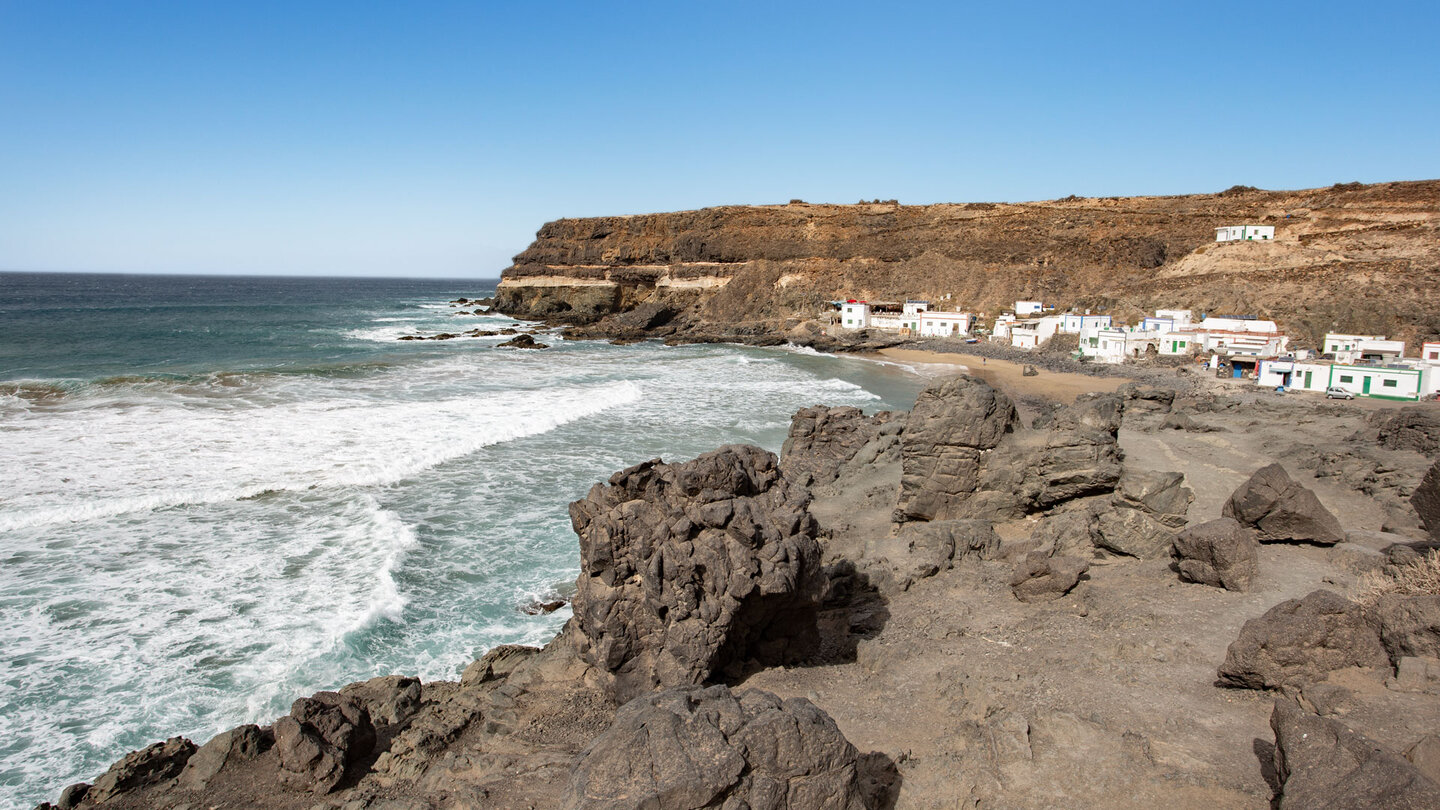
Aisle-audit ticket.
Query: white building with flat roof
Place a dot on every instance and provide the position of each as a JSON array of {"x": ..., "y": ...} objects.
[
  {"x": 1244, "y": 233},
  {"x": 854, "y": 315},
  {"x": 1362, "y": 348},
  {"x": 1072, "y": 324},
  {"x": 945, "y": 324},
  {"x": 1023, "y": 308}
]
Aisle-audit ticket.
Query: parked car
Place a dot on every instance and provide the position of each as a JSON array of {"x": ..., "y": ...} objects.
[{"x": 1336, "y": 392}]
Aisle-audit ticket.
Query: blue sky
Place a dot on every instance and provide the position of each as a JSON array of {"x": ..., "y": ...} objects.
[{"x": 433, "y": 139}]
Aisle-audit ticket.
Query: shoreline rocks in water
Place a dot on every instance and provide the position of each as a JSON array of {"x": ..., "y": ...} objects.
[{"x": 990, "y": 608}]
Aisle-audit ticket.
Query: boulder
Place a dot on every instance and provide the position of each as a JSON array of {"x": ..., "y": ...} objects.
[
  {"x": 1221, "y": 553},
  {"x": 1300, "y": 641},
  {"x": 522, "y": 342},
  {"x": 1414, "y": 427},
  {"x": 1133, "y": 533},
  {"x": 964, "y": 454},
  {"x": 824, "y": 439},
  {"x": 933, "y": 547},
  {"x": 1040, "y": 578},
  {"x": 1282, "y": 511},
  {"x": 240, "y": 744},
  {"x": 1146, "y": 397},
  {"x": 690, "y": 569},
  {"x": 1426, "y": 500},
  {"x": 1323, "y": 765},
  {"x": 497, "y": 663},
  {"x": 691, "y": 748},
  {"x": 1409, "y": 624},
  {"x": 148, "y": 766},
  {"x": 1425, "y": 756},
  {"x": 320, "y": 739},
  {"x": 1162, "y": 495},
  {"x": 390, "y": 700},
  {"x": 1183, "y": 421},
  {"x": 1066, "y": 534}
]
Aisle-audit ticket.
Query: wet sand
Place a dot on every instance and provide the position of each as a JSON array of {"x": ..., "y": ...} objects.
[{"x": 1004, "y": 374}]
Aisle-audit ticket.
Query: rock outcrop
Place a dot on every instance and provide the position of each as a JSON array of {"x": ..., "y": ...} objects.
[
  {"x": 1282, "y": 511},
  {"x": 1220, "y": 553},
  {"x": 696, "y": 748},
  {"x": 1301, "y": 641},
  {"x": 320, "y": 739},
  {"x": 1426, "y": 500},
  {"x": 965, "y": 454},
  {"x": 240, "y": 744},
  {"x": 693, "y": 568},
  {"x": 1409, "y": 625},
  {"x": 1040, "y": 578},
  {"x": 151, "y": 765},
  {"x": 1322, "y": 765},
  {"x": 823, "y": 439}
]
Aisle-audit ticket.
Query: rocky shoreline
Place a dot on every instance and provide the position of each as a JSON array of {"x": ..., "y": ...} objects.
[{"x": 1150, "y": 596}]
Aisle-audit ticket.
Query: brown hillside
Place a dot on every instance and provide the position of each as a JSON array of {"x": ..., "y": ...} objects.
[{"x": 1360, "y": 258}]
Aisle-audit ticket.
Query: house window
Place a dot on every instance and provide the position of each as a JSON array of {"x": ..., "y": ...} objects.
[
  {"x": 1346, "y": 378},
  {"x": 1435, "y": 355},
  {"x": 1390, "y": 383}
]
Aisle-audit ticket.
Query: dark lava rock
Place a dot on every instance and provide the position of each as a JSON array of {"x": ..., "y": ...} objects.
[
  {"x": 824, "y": 439},
  {"x": 1147, "y": 398},
  {"x": 1134, "y": 533},
  {"x": 1182, "y": 421},
  {"x": 685, "y": 749},
  {"x": 1415, "y": 427},
  {"x": 1220, "y": 552},
  {"x": 1298, "y": 642},
  {"x": 497, "y": 663},
  {"x": 390, "y": 700},
  {"x": 1409, "y": 624},
  {"x": 240, "y": 744},
  {"x": 1162, "y": 495},
  {"x": 1282, "y": 511},
  {"x": 965, "y": 455},
  {"x": 1323, "y": 765},
  {"x": 1426, "y": 500},
  {"x": 1040, "y": 578},
  {"x": 522, "y": 342},
  {"x": 689, "y": 569},
  {"x": 320, "y": 738},
  {"x": 148, "y": 766}
]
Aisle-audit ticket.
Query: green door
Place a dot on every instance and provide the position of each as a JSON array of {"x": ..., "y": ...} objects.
[
  {"x": 1308, "y": 375},
  {"x": 1365, "y": 385}
]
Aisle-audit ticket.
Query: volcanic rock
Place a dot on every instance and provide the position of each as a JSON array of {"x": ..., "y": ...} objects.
[
  {"x": 1409, "y": 624},
  {"x": 390, "y": 700},
  {"x": 240, "y": 744},
  {"x": 1281, "y": 510},
  {"x": 1220, "y": 552},
  {"x": 1415, "y": 427},
  {"x": 320, "y": 738},
  {"x": 1323, "y": 765},
  {"x": 693, "y": 748},
  {"x": 823, "y": 439},
  {"x": 522, "y": 342},
  {"x": 689, "y": 569},
  {"x": 150, "y": 765},
  {"x": 1301, "y": 641},
  {"x": 1040, "y": 578},
  {"x": 1426, "y": 500},
  {"x": 965, "y": 455},
  {"x": 1162, "y": 495}
]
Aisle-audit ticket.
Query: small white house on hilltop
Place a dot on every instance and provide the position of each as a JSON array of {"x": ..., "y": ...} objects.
[
  {"x": 1430, "y": 352},
  {"x": 1071, "y": 323},
  {"x": 1023, "y": 308},
  {"x": 1357, "y": 348},
  {"x": 1244, "y": 233}
]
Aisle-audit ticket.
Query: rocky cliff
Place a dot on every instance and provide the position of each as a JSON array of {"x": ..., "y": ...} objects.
[{"x": 1351, "y": 257}]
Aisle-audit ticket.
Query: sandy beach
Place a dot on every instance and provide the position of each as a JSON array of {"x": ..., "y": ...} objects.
[{"x": 1005, "y": 375}]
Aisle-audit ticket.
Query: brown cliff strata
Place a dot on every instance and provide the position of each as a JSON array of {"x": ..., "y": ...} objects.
[{"x": 746, "y": 272}]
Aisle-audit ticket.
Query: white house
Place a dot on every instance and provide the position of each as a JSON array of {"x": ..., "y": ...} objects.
[
  {"x": 1002, "y": 327},
  {"x": 1030, "y": 333},
  {"x": 1430, "y": 352},
  {"x": 1115, "y": 344},
  {"x": 945, "y": 324},
  {"x": 1167, "y": 320},
  {"x": 1244, "y": 233},
  {"x": 915, "y": 307},
  {"x": 1071, "y": 324},
  {"x": 1379, "y": 382},
  {"x": 1023, "y": 308},
  {"x": 854, "y": 315},
  {"x": 1233, "y": 324},
  {"x": 1359, "y": 348}
]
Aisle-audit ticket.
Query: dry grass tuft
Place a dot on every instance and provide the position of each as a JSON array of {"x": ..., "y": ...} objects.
[{"x": 1419, "y": 577}]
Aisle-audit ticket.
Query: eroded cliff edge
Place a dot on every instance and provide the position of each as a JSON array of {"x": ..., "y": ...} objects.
[{"x": 739, "y": 272}]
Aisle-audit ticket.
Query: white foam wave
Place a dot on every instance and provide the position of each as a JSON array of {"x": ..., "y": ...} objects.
[{"x": 176, "y": 456}]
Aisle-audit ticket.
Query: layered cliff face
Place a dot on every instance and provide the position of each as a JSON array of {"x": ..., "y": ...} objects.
[{"x": 1355, "y": 258}]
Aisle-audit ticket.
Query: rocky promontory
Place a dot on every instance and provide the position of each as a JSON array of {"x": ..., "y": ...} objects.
[
  {"x": 758, "y": 273},
  {"x": 980, "y": 602}
]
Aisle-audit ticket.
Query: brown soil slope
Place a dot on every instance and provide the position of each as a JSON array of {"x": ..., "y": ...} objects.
[{"x": 1360, "y": 258}]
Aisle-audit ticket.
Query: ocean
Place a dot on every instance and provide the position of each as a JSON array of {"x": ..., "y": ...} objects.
[{"x": 218, "y": 494}]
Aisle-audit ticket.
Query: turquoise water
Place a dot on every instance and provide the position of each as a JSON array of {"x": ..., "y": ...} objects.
[{"x": 218, "y": 494}]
